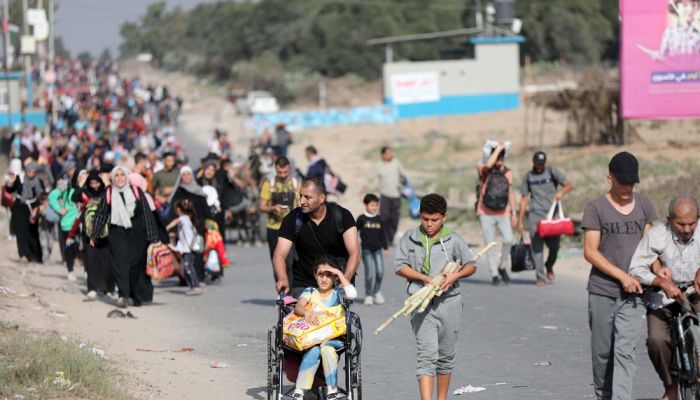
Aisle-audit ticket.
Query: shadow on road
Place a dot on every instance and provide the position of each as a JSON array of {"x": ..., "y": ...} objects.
[
  {"x": 523, "y": 282},
  {"x": 259, "y": 302},
  {"x": 257, "y": 393}
]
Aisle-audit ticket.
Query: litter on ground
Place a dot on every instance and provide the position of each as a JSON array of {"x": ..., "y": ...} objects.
[{"x": 468, "y": 389}]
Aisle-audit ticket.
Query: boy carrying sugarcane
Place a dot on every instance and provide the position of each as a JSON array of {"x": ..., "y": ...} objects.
[{"x": 422, "y": 254}]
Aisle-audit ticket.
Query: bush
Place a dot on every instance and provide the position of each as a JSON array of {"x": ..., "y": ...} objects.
[{"x": 40, "y": 366}]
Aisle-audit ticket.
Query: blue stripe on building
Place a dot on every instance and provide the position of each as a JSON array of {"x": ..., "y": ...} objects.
[
  {"x": 459, "y": 105},
  {"x": 38, "y": 118}
]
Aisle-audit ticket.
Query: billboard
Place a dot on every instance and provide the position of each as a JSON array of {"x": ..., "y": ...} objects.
[
  {"x": 660, "y": 59},
  {"x": 416, "y": 87}
]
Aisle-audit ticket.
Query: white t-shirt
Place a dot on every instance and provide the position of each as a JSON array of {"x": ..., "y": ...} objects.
[{"x": 185, "y": 234}]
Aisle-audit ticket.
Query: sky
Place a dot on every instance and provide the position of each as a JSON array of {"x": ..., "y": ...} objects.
[{"x": 93, "y": 25}]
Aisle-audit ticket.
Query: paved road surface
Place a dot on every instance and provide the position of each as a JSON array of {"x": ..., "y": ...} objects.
[{"x": 504, "y": 331}]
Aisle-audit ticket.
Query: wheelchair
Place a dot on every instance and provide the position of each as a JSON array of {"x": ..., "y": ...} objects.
[{"x": 283, "y": 361}]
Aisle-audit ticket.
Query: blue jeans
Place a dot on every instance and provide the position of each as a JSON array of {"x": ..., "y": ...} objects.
[{"x": 374, "y": 270}]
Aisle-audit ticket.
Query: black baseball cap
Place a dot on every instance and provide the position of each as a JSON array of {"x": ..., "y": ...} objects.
[
  {"x": 625, "y": 168},
  {"x": 539, "y": 157}
]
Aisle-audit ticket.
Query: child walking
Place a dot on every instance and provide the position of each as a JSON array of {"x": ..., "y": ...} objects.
[
  {"x": 186, "y": 234},
  {"x": 373, "y": 241},
  {"x": 311, "y": 303},
  {"x": 422, "y": 254}
]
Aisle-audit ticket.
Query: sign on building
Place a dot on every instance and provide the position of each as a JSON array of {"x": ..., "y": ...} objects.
[
  {"x": 660, "y": 59},
  {"x": 418, "y": 87}
]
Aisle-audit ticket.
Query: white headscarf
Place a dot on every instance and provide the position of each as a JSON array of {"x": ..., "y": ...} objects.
[
  {"x": 192, "y": 187},
  {"x": 122, "y": 209}
]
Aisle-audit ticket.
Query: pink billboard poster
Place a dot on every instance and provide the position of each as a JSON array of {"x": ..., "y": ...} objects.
[{"x": 660, "y": 59}]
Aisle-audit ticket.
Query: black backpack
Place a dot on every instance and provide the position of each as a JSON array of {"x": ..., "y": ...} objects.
[
  {"x": 497, "y": 190},
  {"x": 336, "y": 215}
]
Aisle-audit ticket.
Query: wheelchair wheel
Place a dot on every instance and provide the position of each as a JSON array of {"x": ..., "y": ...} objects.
[
  {"x": 689, "y": 384},
  {"x": 356, "y": 377},
  {"x": 273, "y": 382}
]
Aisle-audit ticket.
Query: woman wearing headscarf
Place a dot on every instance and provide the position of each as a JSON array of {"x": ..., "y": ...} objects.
[
  {"x": 27, "y": 192},
  {"x": 212, "y": 186},
  {"x": 186, "y": 187},
  {"x": 125, "y": 210},
  {"x": 97, "y": 258}
]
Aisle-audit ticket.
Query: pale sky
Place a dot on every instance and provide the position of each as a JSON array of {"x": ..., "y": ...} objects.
[{"x": 93, "y": 25}]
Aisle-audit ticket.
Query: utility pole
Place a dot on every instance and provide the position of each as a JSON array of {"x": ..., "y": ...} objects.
[
  {"x": 27, "y": 57},
  {"x": 6, "y": 60},
  {"x": 478, "y": 15},
  {"x": 41, "y": 52},
  {"x": 52, "y": 38}
]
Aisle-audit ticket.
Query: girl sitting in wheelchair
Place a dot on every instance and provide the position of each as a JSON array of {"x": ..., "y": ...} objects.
[{"x": 311, "y": 304}]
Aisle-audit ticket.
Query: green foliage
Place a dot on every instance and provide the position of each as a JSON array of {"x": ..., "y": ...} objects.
[
  {"x": 575, "y": 31},
  {"x": 329, "y": 37}
]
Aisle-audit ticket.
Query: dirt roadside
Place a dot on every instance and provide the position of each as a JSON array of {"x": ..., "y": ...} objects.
[{"x": 39, "y": 297}]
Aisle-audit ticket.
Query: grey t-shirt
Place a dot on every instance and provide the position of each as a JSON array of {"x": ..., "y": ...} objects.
[
  {"x": 541, "y": 188},
  {"x": 619, "y": 236}
]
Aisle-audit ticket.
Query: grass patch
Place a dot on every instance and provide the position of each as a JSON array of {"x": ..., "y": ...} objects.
[{"x": 41, "y": 366}]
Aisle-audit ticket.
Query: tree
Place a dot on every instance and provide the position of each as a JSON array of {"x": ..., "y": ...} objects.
[
  {"x": 84, "y": 56},
  {"x": 105, "y": 56}
]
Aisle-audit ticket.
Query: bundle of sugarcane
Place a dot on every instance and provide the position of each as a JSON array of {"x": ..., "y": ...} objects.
[{"x": 420, "y": 300}]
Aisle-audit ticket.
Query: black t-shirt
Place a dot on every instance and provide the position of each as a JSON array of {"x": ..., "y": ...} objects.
[
  {"x": 327, "y": 241},
  {"x": 371, "y": 232}
]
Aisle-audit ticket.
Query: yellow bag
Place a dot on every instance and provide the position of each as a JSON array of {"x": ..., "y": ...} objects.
[{"x": 298, "y": 334}]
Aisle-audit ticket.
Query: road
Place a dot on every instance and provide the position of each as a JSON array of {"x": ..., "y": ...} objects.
[{"x": 505, "y": 330}]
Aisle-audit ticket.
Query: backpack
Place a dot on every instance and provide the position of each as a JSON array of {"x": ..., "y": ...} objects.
[
  {"x": 109, "y": 194},
  {"x": 283, "y": 198},
  {"x": 551, "y": 176},
  {"x": 160, "y": 261},
  {"x": 89, "y": 218},
  {"x": 497, "y": 190},
  {"x": 334, "y": 208},
  {"x": 337, "y": 216}
]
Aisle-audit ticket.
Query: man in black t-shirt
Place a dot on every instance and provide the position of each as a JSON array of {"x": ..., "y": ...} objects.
[{"x": 316, "y": 229}]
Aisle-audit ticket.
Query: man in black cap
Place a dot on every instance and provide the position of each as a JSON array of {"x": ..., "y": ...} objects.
[
  {"x": 614, "y": 224},
  {"x": 541, "y": 186}
]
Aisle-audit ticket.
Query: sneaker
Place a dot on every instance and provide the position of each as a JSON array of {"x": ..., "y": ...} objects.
[
  {"x": 551, "y": 276},
  {"x": 92, "y": 295},
  {"x": 378, "y": 298},
  {"x": 298, "y": 395},
  {"x": 495, "y": 281},
  {"x": 540, "y": 282},
  {"x": 369, "y": 300},
  {"x": 122, "y": 302},
  {"x": 194, "y": 292},
  {"x": 331, "y": 393},
  {"x": 71, "y": 277},
  {"x": 504, "y": 275}
]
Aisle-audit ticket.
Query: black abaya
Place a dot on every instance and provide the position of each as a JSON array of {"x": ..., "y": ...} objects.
[
  {"x": 128, "y": 249},
  {"x": 27, "y": 234},
  {"x": 98, "y": 264}
]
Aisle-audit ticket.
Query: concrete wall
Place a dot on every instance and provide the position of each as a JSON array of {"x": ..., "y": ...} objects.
[{"x": 489, "y": 82}]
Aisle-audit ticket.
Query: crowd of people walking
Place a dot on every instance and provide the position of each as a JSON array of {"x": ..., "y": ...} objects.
[{"x": 110, "y": 182}]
